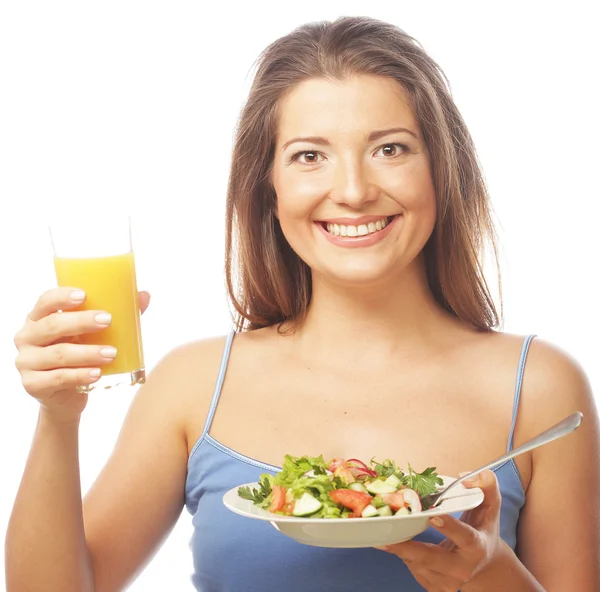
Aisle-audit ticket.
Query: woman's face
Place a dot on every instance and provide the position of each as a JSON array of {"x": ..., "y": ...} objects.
[{"x": 355, "y": 197}]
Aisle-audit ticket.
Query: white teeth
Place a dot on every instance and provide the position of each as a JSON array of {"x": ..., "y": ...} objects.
[{"x": 360, "y": 230}]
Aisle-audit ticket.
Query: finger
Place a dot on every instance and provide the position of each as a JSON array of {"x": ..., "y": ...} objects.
[
  {"x": 492, "y": 498},
  {"x": 64, "y": 355},
  {"x": 412, "y": 551},
  {"x": 58, "y": 325},
  {"x": 46, "y": 383},
  {"x": 144, "y": 300},
  {"x": 427, "y": 556},
  {"x": 461, "y": 534},
  {"x": 56, "y": 299}
]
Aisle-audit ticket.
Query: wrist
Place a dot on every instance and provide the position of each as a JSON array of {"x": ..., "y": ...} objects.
[
  {"x": 503, "y": 572},
  {"x": 58, "y": 418}
]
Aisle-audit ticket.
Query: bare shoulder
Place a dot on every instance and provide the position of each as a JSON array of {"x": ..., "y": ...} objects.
[
  {"x": 186, "y": 376},
  {"x": 552, "y": 375},
  {"x": 554, "y": 385}
]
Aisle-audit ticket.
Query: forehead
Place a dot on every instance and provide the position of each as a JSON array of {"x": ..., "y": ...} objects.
[{"x": 361, "y": 103}]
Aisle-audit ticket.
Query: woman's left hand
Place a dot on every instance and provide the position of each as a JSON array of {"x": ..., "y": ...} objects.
[{"x": 471, "y": 543}]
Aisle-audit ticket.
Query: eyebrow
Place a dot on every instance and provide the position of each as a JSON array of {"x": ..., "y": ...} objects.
[{"x": 376, "y": 135}]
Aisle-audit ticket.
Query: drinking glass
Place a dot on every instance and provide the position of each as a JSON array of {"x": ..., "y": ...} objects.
[{"x": 96, "y": 256}]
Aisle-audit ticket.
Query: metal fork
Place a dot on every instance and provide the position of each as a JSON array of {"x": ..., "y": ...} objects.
[{"x": 562, "y": 428}]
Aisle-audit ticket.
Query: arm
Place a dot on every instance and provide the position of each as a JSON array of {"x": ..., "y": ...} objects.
[
  {"x": 45, "y": 539},
  {"x": 506, "y": 573},
  {"x": 559, "y": 527},
  {"x": 102, "y": 543}
]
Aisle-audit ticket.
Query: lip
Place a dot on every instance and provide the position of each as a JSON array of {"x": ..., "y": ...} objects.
[{"x": 359, "y": 241}]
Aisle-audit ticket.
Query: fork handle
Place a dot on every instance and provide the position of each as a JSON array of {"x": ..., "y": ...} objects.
[{"x": 562, "y": 428}]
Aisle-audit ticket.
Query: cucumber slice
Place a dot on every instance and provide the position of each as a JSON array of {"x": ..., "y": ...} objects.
[
  {"x": 385, "y": 511},
  {"x": 393, "y": 481},
  {"x": 306, "y": 505},
  {"x": 379, "y": 486},
  {"x": 356, "y": 486},
  {"x": 370, "y": 512},
  {"x": 402, "y": 512}
]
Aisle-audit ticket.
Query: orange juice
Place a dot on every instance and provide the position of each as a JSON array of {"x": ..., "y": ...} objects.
[{"x": 110, "y": 285}]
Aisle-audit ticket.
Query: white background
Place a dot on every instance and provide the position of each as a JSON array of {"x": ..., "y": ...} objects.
[{"x": 132, "y": 105}]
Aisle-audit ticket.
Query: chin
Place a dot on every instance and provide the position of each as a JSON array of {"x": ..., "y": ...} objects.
[{"x": 356, "y": 276}]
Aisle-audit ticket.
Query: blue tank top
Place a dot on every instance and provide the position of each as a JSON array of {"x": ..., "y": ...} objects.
[{"x": 236, "y": 554}]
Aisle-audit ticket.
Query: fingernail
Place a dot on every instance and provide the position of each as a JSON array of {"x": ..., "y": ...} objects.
[
  {"x": 108, "y": 352},
  {"x": 463, "y": 473},
  {"x": 94, "y": 373},
  {"x": 103, "y": 318},
  {"x": 77, "y": 295},
  {"x": 437, "y": 521}
]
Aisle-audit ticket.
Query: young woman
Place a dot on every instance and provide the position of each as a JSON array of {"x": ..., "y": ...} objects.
[{"x": 357, "y": 216}]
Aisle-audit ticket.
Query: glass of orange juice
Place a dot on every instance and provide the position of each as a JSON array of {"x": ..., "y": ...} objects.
[{"x": 97, "y": 257}]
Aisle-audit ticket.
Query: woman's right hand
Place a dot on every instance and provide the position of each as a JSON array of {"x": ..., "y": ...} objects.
[{"x": 51, "y": 362}]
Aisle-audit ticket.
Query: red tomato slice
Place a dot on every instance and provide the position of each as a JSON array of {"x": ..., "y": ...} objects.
[
  {"x": 357, "y": 501},
  {"x": 393, "y": 500},
  {"x": 277, "y": 498}
]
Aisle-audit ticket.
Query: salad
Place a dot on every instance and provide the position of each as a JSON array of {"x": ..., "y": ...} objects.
[{"x": 311, "y": 487}]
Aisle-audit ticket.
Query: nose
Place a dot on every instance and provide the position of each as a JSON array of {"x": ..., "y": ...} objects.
[{"x": 351, "y": 185}]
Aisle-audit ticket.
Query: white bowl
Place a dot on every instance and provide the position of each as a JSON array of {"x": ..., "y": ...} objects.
[{"x": 356, "y": 532}]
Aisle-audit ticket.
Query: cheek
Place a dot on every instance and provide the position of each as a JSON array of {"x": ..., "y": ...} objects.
[
  {"x": 297, "y": 196},
  {"x": 416, "y": 194}
]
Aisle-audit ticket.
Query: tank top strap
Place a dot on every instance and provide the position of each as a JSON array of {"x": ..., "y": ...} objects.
[
  {"x": 519, "y": 383},
  {"x": 219, "y": 384}
]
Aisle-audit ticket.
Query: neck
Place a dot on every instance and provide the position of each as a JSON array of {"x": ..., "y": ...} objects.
[{"x": 396, "y": 315}]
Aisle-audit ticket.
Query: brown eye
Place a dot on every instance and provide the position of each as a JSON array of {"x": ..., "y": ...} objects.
[
  {"x": 391, "y": 150},
  {"x": 306, "y": 157}
]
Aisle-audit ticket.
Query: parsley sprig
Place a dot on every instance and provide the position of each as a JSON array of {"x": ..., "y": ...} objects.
[{"x": 259, "y": 496}]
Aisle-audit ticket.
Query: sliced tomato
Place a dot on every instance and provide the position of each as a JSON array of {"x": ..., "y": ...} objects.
[
  {"x": 277, "y": 498},
  {"x": 345, "y": 474},
  {"x": 393, "y": 500},
  {"x": 335, "y": 463},
  {"x": 357, "y": 501}
]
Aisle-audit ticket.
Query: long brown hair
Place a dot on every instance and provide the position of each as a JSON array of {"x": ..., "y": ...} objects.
[{"x": 266, "y": 281}]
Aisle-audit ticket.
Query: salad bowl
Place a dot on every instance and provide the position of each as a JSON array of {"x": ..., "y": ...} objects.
[{"x": 356, "y": 532}]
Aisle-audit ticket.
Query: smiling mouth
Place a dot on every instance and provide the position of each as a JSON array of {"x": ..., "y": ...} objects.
[{"x": 349, "y": 230}]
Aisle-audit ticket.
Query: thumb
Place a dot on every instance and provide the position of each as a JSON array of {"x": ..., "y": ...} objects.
[
  {"x": 492, "y": 498},
  {"x": 144, "y": 300}
]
